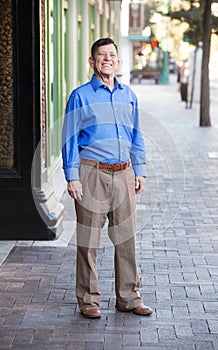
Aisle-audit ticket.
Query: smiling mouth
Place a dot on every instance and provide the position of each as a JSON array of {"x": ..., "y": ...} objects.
[{"x": 107, "y": 65}]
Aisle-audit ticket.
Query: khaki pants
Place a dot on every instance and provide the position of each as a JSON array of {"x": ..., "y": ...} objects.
[{"x": 107, "y": 195}]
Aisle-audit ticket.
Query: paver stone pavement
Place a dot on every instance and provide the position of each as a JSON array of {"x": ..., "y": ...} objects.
[{"x": 177, "y": 251}]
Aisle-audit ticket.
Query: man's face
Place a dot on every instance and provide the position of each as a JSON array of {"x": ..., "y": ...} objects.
[{"x": 105, "y": 62}]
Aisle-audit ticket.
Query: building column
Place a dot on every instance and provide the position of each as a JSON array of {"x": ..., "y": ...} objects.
[{"x": 86, "y": 52}]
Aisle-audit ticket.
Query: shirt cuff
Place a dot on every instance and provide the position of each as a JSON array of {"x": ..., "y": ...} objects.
[
  {"x": 139, "y": 169},
  {"x": 71, "y": 174}
]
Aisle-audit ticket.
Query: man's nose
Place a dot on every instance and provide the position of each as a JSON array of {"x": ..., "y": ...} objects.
[{"x": 107, "y": 56}]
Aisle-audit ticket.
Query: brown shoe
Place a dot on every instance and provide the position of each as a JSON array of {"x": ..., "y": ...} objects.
[
  {"x": 92, "y": 313},
  {"x": 142, "y": 310}
]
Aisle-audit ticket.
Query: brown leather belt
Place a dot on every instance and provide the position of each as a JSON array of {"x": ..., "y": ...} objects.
[{"x": 106, "y": 166}]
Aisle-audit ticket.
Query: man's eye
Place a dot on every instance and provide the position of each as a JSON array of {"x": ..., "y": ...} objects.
[{"x": 102, "y": 54}]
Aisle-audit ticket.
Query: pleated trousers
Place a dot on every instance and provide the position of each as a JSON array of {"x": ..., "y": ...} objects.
[{"x": 108, "y": 198}]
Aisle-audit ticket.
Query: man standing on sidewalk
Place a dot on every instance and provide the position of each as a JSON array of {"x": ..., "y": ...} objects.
[{"x": 104, "y": 164}]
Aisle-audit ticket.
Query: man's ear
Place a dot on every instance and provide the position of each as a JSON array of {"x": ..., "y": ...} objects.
[{"x": 91, "y": 62}]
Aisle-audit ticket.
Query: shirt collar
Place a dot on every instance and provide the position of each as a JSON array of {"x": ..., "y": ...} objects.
[{"x": 96, "y": 83}]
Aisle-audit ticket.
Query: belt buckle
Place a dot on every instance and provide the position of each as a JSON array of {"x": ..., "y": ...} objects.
[{"x": 110, "y": 165}]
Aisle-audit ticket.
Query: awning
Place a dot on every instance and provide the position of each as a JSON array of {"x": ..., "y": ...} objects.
[{"x": 138, "y": 38}]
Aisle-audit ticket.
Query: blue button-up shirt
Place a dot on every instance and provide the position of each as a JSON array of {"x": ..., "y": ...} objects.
[{"x": 102, "y": 125}]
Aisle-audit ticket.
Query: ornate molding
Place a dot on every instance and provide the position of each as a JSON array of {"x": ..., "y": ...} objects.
[
  {"x": 48, "y": 206},
  {"x": 6, "y": 86}
]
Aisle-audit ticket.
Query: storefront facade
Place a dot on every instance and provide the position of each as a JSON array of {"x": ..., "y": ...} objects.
[{"x": 45, "y": 47}]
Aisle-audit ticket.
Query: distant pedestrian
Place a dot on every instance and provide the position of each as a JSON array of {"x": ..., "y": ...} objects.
[
  {"x": 183, "y": 80},
  {"x": 104, "y": 164}
]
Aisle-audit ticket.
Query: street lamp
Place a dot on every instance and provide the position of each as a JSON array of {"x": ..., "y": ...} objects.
[{"x": 164, "y": 79}]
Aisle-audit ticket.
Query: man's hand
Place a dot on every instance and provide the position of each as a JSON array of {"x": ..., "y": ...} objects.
[
  {"x": 74, "y": 188},
  {"x": 139, "y": 184}
]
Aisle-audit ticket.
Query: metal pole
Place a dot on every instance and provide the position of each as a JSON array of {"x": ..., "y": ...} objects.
[{"x": 164, "y": 79}]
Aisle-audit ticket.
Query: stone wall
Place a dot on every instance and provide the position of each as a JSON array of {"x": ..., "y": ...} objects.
[{"x": 6, "y": 86}]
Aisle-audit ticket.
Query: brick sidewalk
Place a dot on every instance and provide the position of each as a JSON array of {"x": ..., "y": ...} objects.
[{"x": 178, "y": 266}]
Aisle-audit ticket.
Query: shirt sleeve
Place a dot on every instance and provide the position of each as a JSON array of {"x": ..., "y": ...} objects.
[
  {"x": 70, "y": 134},
  {"x": 138, "y": 151}
]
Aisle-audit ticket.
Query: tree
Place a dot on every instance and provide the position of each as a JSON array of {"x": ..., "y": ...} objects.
[
  {"x": 201, "y": 22},
  {"x": 205, "y": 84}
]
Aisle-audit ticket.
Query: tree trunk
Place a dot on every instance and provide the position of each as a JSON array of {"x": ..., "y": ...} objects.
[
  {"x": 193, "y": 77},
  {"x": 205, "y": 84}
]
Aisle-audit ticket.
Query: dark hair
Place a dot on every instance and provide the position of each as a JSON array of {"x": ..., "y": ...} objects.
[{"x": 102, "y": 42}]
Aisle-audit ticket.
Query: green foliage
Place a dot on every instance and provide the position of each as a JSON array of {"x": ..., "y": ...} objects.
[
  {"x": 215, "y": 24},
  {"x": 149, "y": 9},
  {"x": 194, "y": 17}
]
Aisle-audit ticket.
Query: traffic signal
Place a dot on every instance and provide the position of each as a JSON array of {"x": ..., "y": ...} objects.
[{"x": 154, "y": 43}]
